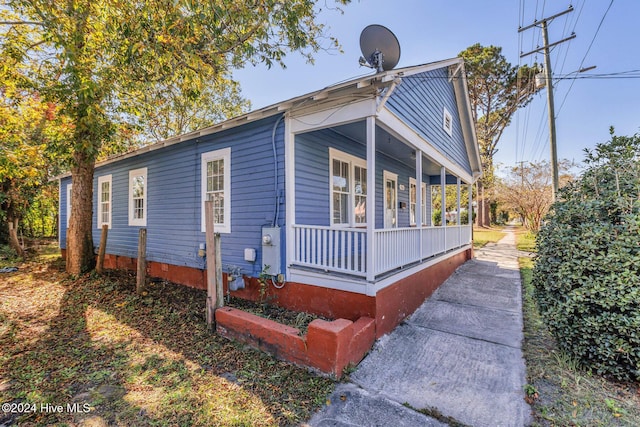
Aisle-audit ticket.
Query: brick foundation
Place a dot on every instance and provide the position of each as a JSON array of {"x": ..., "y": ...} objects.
[{"x": 328, "y": 346}]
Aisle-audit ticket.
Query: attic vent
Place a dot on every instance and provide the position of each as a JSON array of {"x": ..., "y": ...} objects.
[{"x": 447, "y": 122}]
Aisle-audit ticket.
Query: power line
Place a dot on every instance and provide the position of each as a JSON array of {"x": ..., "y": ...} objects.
[
  {"x": 585, "y": 55},
  {"x": 547, "y": 68}
]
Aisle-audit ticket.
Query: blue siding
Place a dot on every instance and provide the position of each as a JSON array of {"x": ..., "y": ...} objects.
[
  {"x": 312, "y": 177},
  {"x": 419, "y": 101},
  {"x": 312, "y": 173},
  {"x": 173, "y": 197}
]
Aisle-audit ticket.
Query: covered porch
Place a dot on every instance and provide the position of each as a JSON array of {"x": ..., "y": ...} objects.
[{"x": 347, "y": 234}]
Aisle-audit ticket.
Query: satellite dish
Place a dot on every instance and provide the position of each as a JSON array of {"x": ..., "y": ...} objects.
[{"x": 380, "y": 48}]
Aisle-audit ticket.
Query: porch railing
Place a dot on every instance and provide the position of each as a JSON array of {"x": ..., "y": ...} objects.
[
  {"x": 331, "y": 249},
  {"x": 345, "y": 249}
]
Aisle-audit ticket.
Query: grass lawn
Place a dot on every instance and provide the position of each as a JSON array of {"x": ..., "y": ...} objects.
[
  {"x": 133, "y": 360},
  {"x": 482, "y": 236},
  {"x": 525, "y": 240},
  {"x": 563, "y": 393}
]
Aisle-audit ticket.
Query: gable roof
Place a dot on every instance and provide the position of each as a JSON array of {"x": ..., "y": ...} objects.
[{"x": 367, "y": 84}]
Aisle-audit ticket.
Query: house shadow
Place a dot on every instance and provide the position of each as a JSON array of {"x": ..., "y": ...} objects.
[{"x": 111, "y": 357}]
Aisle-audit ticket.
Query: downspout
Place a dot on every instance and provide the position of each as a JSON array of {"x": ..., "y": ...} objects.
[
  {"x": 276, "y": 190},
  {"x": 276, "y": 284}
]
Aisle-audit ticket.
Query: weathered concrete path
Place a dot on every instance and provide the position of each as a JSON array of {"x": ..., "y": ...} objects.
[{"x": 458, "y": 355}]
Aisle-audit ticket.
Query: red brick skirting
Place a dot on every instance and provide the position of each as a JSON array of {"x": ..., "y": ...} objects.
[{"x": 328, "y": 346}]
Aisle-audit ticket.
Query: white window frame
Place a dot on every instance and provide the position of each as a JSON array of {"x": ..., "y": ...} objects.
[
  {"x": 353, "y": 161},
  {"x": 224, "y": 155},
  {"x": 69, "y": 187},
  {"x": 386, "y": 175},
  {"x": 447, "y": 121},
  {"x": 99, "y": 221},
  {"x": 414, "y": 183},
  {"x": 140, "y": 222}
]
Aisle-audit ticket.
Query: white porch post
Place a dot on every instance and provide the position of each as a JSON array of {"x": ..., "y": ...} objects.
[
  {"x": 443, "y": 205},
  {"x": 458, "y": 201},
  {"x": 458, "y": 223},
  {"x": 470, "y": 213},
  {"x": 428, "y": 206},
  {"x": 419, "y": 189},
  {"x": 371, "y": 197},
  {"x": 418, "y": 217},
  {"x": 443, "y": 195},
  {"x": 290, "y": 191}
]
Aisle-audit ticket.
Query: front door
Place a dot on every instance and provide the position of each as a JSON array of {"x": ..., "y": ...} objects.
[{"x": 390, "y": 200}]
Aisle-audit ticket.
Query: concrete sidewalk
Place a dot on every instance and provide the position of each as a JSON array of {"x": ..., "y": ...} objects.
[{"x": 458, "y": 355}]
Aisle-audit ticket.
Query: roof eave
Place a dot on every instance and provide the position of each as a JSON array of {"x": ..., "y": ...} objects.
[{"x": 318, "y": 96}]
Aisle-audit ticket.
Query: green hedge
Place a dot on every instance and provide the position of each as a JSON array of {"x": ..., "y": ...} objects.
[{"x": 587, "y": 271}]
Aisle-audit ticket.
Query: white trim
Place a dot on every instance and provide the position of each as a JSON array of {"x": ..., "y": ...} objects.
[
  {"x": 139, "y": 222},
  {"x": 404, "y": 273},
  {"x": 290, "y": 192},
  {"x": 223, "y": 154},
  {"x": 101, "y": 180},
  {"x": 69, "y": 186},
  {"x": 360, "y": 286},
  {"x": 401, "y": 130},
  {"x": 341, "y": 114},
  {"x": 386, "y": 175},
  {"x": 463, "y": 102},
  {"x": 371, "y": 198},
  {"x": 443, "y": 200},
  {"x": 353, "y": 162},
  {"x": 447, "y": 121},
  {"x": 359, "y": 83},
  {"x": 419, "y": 215},
  {"x": 330, "y": 281}
]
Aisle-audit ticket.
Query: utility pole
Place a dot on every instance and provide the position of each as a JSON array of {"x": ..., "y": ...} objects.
[{"x": 547, "y": 69}]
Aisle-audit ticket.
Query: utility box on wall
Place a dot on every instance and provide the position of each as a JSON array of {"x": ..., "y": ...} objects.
[{"x": 271, "y": 250}]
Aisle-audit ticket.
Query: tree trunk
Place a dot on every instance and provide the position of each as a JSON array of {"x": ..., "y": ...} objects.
[
  {"x": 482, "y": 217},
  {"x": 80, "y": 254},
  {"x": 14, "y": 242}
]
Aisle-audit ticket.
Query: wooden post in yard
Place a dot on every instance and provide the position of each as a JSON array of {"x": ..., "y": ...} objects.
[
  {"x": 214, "y": 266},
  {"x": 102, "y": 249},
  {"x": 141, "y": 275}
]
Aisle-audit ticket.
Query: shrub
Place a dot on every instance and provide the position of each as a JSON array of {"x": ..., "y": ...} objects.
[
  {"x": 587, "y": 271},
  {"x": 437, "y": 217}
]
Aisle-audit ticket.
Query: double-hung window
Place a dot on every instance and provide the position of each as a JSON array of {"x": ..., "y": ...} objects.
[
  {"x": 104, "y": 201},
  {"x": 138, "y": 187},
  {"x": 348, "y": 189},
  {"x": 216, "y": 187}
]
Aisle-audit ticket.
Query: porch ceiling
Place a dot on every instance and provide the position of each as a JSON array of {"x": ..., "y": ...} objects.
[{"x": 388, "y": 145}]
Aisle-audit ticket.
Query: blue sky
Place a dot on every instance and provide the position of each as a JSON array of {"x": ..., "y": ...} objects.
[{"x": 431, "y": 30}]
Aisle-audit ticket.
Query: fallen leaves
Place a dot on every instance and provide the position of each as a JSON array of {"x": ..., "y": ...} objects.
[{"x": 63, "y": 338}]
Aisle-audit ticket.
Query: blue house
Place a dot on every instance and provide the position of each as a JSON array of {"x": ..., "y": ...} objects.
[{"x": 332, "y": 193}]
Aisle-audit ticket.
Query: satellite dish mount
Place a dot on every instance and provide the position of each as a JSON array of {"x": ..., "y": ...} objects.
[{"x": 380, "y": 48}]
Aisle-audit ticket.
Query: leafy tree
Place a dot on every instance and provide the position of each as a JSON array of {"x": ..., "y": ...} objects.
[
  {"x": 166, "y": 111},
  {"x": 587, "y": 273},
  {"x": 496, "y": 90},
  {"x": 93, "y": 57},
  {"x": 28, "y": 127},
  {"x": 451, "y": 204},
  {"x": 526, "y": 191}
]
